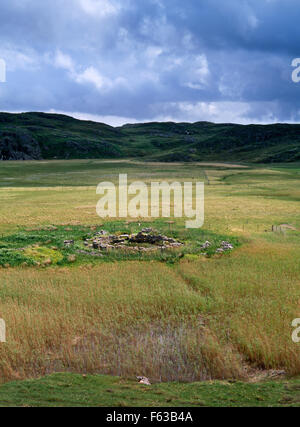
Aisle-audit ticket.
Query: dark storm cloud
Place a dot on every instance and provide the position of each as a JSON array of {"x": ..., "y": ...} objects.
[{"x": 119, "y": 60}]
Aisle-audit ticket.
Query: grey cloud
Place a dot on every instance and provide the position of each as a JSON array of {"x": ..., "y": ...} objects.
[{"x": 149, "y": 59}]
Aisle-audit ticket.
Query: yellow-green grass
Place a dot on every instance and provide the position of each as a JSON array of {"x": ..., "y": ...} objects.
[
  {"x": 220, "y": 318},
  {"x": 196, "y": 321}
]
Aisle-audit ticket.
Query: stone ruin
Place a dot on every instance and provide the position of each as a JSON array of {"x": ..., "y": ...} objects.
[
  {"x": 225, "y": 247},
  {"x": 148, "y": 240}
]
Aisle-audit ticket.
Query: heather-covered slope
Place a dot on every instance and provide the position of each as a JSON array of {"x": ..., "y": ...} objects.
[{"x": 48, "y": 136}]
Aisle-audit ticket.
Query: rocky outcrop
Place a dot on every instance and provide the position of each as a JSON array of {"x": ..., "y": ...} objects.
[{"x": 18, "y": 145}]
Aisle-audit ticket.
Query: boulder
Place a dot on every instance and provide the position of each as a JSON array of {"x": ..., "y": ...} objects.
[
  {"x": 17, "y": 144},
  {"x": 143, "y": 380}
]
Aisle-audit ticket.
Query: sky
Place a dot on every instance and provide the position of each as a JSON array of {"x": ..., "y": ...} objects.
[{"x": 127, "y": 61}]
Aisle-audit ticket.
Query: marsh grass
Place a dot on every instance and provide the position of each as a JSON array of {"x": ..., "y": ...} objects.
[
  {"x": 121, "y": 319},
  {"x": 251, "y": 298},
  {"x": 199, "y": 318},
  {"x": 195, "y": 321}
]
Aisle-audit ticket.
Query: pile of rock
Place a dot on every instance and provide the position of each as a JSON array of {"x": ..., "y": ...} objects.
[
  {"x": 145, "y": 241},
  {"x": 206, "y": 245},
  {"x": 225, "y": 246}
]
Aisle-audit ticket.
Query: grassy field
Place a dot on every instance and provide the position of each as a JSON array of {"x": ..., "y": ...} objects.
[
  {"x": 197, "y": 319},
  {"x": 73, "y": 390}
]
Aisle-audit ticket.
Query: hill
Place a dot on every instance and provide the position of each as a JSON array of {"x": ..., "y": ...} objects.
[{"x": 52, "y": 136}]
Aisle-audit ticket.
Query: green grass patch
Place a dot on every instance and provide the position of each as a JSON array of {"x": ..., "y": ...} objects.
[
  {"x": 103, "y": 391},
  {"x": 42, "y": 254},
  {"x": 45, "y": 245}
]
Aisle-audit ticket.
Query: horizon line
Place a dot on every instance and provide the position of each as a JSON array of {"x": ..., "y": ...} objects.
[{"x": 92, "y": 118}]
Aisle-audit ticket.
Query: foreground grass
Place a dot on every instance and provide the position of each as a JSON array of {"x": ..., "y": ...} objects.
[
  {"x": 199, "y": 319},
  {"x": 76, "y": 391},
  {"x": 122, "y": 319}
]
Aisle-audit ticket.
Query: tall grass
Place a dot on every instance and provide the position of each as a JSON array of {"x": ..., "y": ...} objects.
[
  {"x": 195, "y": 321},
  {"x": 125, "y": 319},
  {"x": 252, "y": 297},
  {"x": 202, "y": 319}
]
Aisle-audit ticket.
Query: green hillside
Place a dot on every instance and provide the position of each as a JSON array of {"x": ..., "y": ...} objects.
[{"x": 48, "y": 136}]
